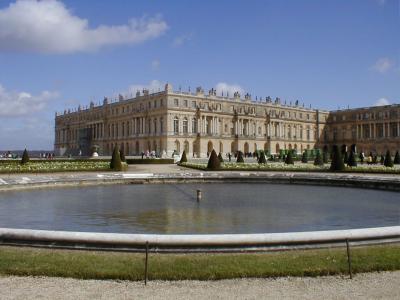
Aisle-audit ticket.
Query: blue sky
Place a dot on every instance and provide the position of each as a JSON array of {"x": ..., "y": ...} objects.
[{"x": 58, "y": 54}]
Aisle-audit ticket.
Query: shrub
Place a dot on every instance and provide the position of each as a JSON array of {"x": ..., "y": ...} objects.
[
  {"x": 221, "y": 160},
  {"x": 240, "y": 157},
  {"x": 337, "y": 163},
  {"x": 183, "y": 158},
  {"x": 304, "y": 157},
  {"x": 25, "y": 157},
  {"x": 325, "y": 157},
  {"x": 261, "y": 158},
  {"x": 116, "y": 163},
  {"x": 213, "y": 162},
  {"x": 318, "y": 160},
  {"x": 289, "y": 158},
  {"x": 388, "y": 162},
  {"x": 382, "y": 160},
  {"x": 345, "y": 157},
  {"x": 122, "y": 155},
  {"x": 351, "y": 161},
  {"x": 397, "y": 158}
]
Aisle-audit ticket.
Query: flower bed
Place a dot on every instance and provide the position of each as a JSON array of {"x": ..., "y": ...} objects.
[
  {"x": 292, "y": 168},
  {"x": 54, "y": 166}
]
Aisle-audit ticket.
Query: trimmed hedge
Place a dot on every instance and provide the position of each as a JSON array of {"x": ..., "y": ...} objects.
[{"x": 149, "y": 161}]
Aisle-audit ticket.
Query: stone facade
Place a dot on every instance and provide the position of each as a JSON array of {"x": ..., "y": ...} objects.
[{"x": 170, "y": 121}]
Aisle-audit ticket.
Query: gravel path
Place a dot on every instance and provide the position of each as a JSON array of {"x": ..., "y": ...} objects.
[{"x": 383, "y": 285}]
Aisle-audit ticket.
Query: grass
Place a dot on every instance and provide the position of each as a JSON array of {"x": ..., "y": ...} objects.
[
  {"x": 130, "y": 266},
  {"x": 298, "y": 167},
  {"x": 54, "y": 166}
]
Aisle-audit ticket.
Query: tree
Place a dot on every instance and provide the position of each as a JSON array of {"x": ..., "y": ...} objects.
[
  {"x": 289, "y": 158},
  {"x": 183, "y": 157},
  {"x": 325, "y": 157},
  {"x": 345, "y": 157},
  {"x": 261, "y": 158},
  {"x": 213, "y": 162},
  {"x": 397, "y": 158},
  {"x": 304, "y": 157},
  {"x": 221, "y": 160},
  {"x": 388, "y": 162},
  {"x": 240, "y": 157},
  {"x": 116, "y": 163},
  {"x": 337, "y": 163},
  {"x": 318, "y": 160},
  {"x": 351, "y": 161},
  {"x": 25, "y": 157},
  {"x": 122, "y": 155}
]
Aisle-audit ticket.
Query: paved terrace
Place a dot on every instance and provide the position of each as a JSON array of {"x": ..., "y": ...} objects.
[{"x": 174, "y": 173}]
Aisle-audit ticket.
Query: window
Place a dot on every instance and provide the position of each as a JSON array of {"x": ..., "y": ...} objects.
[
  {"x": 161, "y": 102},
  {"x": 185, "y": 103},
  {"x": 155, "y": 103},
  {"x": 193, "y": 104},
  {"x": 176, "y": 102},
  {"x": 161, "y": 125},
  {"x": 149, "y": 104},
  {"x": 194, "y": 125},
  {"x": 155, "y": 125},
  {"x": 176, "y": 125},
  {"x": 185, "y": 125}
]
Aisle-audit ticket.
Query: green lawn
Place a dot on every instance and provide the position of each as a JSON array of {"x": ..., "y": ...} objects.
[{"x": 130, "y": 266}]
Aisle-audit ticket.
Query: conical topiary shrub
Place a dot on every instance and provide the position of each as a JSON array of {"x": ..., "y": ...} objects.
[
  {"x": 240, "y": 157},
  {"x": 213, "y": 162},
  {"x": 261, "y": 158},
  {"x": 318, "y": 161},
  {"x": 25, "y": 157},
  {"x": 304, "y": 157},
  {"x": 116, "y": 163},
  {"x": 351, "y": 161},
  {"x": 325, "y": 157},
  {"x": 382, "y": 160},
  {"x": 388, "y": 162},
  {"x": 289, "y": 158},
  {"x": 345, "y": 157},
  {"x": 337, "y": 160},
  {"x": 397, "y": 158},
  {"x": 122, "y": 155},
  {"x": 221, "y": 160},
  {"x": 183, "y": 157}
]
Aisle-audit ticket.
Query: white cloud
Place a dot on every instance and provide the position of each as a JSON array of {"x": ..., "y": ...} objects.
[
  {"x": 14, "y": 103},
  {"x": 230, "y": 88},
  {"x": 49, "y": 27},
  {"x": 180, "y": 40},
  {"x": 382, "y": 102},
  {"x": 383, "y": 65},
  {"x": 154, "y": 86},
  {"x": 155, "y": 64}
]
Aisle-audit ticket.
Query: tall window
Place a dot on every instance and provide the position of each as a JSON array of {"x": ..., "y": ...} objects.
[
  {"x": 155, "y": 125},
  {"x": 194, "y": 125},
  {"x": 176, "y": 102},
  {"x": 185, "y": 125},
  {"x": 161, "y": 125},
  {"x": 176, "y": 125}
]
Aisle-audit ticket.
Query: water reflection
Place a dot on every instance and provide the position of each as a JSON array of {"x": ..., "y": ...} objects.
[{"x": 225, "y": 208}]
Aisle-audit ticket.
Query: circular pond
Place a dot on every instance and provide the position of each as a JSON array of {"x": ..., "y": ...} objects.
[{"x": 224, "y": 208}]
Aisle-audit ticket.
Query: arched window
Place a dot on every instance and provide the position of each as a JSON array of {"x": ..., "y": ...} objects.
[
  {"x": 185, "y": 125},
  {"x": 176, "y": 125}
]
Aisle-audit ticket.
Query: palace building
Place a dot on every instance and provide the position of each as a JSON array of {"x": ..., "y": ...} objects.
[{"x": 169, "y": 121}]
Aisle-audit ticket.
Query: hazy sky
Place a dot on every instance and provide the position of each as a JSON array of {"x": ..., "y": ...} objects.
[{"x": 55, "y": 55}]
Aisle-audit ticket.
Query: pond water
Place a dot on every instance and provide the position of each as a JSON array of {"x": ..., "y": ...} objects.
[{"x": 224, "y": 208}]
